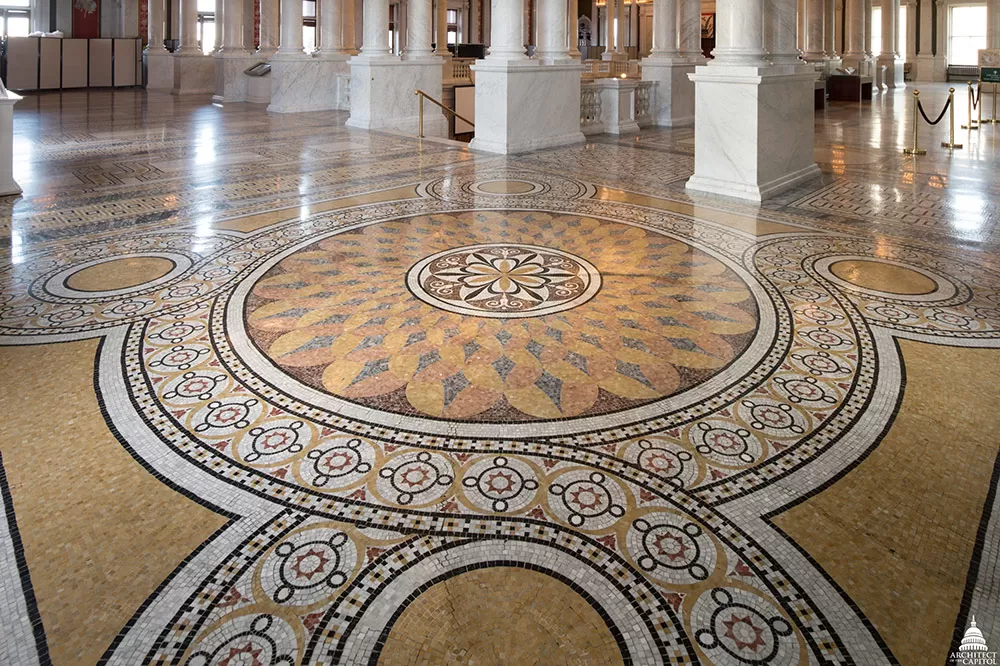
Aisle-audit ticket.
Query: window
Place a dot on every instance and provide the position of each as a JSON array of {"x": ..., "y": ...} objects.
[
  {"x": 309, "y": 25},
  {"x": 966, "y": 34},
  {"x": 877, "y": 31},
  {"x": 15, "y": 18},
  {"x": 206, "y": 25},
  {"x": 452, "y": 26}
]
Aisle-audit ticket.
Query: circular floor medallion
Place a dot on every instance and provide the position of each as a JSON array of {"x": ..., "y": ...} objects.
[
  {"x": 506, "y": 187},
  {"x": 504, "y": 281},
  {"x": 884, "y": 277},
  {"x": 118, "y": 274}
]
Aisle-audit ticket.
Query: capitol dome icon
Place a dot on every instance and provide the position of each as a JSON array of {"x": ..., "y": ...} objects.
[{"x": 973, "y": 640}]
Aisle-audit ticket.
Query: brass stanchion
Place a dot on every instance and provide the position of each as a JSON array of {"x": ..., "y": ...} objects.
[
  {"x": 916, "y": 126},
  {"x": 992, "y": 120},
  {"x": 950, "y": 144},
  {"x": 973, "y": 125},
  {"x": 420, "y": 121}
]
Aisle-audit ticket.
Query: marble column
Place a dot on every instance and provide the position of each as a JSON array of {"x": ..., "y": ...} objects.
[
  {"x": 739, "y": 29},
  {"x": 854, "y": 54},
  {"x": 754, "y": 127},
  {"x": 552, "y": 45},
  {"x": 159, "y": 61},
  {"x": 220, "y": 17},
  {"x": 441, "y": 40},
  {"x": 889, "y": 58},
  {"x": 189, "y": 28},
  {"x": 609, "y": 29},
  {"x": 925, "y": 51},
  {"x": 992, "y": 24},
  {"x": 418, "y": 29},
  {"x": 350, "y": 28},
  {"x": 331, "y": 30},
  {"x": 375, "y": 24},
  {"x": 573, "y": 29},
  {"x": 522, "y": 105},
  {"x": 291, "y": 29},
  {"x": 232, "y": 28},
  {"x": 780, "y": 28},
  {"x": 155, "y": 27},
  {"x": 869, "y": 55},
  {"x": 689, "y": 27},
  {"x": 814, "y": 30},
  {"x": 665, "y": 34},
  {"x": 620, "y": 27},
  {"x": 912, "y": 18},
  {"x": 8, "y": 186},
  {"x": 829, "y": 29},
  {"x": 670, "y": 67},
  {"x": 268, "y": 27},
  {"x": 194, "y": 72}
]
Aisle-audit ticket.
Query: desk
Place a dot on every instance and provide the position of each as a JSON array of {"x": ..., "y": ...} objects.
[
  {"x": 850, "y": 88},
  {"x": 819, "y": 94}
]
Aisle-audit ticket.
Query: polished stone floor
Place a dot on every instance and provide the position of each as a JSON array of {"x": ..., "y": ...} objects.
[{"x": 277, "y": 392}]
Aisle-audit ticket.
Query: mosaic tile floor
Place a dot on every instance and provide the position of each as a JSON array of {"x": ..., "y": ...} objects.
[{"x": 276, "y": 392}]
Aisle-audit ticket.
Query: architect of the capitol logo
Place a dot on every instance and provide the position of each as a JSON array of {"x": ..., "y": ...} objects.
[{"x": 973, "y": 649}]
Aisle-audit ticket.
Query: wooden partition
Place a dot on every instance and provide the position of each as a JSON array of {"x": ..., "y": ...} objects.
[{"x": 45, "y": 63}]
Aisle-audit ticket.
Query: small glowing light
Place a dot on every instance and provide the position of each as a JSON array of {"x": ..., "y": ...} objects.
[{"x": 624, "y": 75}]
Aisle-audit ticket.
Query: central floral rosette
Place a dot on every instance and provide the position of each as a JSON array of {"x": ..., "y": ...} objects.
[{"x": 504, "y": 280}]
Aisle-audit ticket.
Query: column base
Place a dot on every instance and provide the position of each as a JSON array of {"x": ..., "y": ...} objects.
[
  {"x": 231, "y": 84},
  {"x": 308, "y": 84},
  {"x": 8, "y": 186},
  {"x": 521, "y": 106},
  {"x": 159, "y": 70},
  {"x": 382, "y": 95},
  {"x": 193, "y": 74},
  {"x": 754, "y": 131},
  {"x": 673, "y": 96},
  {"x": 893, "y": 74}
]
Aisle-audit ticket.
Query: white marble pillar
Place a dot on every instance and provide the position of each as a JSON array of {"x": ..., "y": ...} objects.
[
  {"x": 291, "y": 29},
  {"x": 992, "y": 25},
  {"x": 620, "y": 27},
  {"x": 689, "y": 27},
  {"x": 780, "y": 28},
  {"x": 912, "y": 18},
  {"x": 572, "y": 29},
  {"x": 268, "y": 27},
  {"x": 814, "y": 30},
  {"x": 189, "y": 28},
  {"x": 854, "y": 53},
  {"x": 869, "y": 55},
  {"x": 754, "y": 130},
  {"x": 552, "y": 45},
  {"x": 375, "y": 23},
  {"x": 925, "y": 51},
  {"x": 609, "y": 29},
  {"x": 522, "y": 105},
  {"x": 220, "y": 17},
  {"x": 441, "y": 40},
  {"x": 897, "y": 29},
  {"x": 506, "y": 30},
  {"x": 669, "y": 67},
  {"x": 665, "y": 34},
  {"x": 331, "y": 30},
  {"x": 8, "y": 185},
  {"x": 418, "y": 30},
  {"x": 889, "y": 57},
  {"x": 739, "y": 30},
  {"x": 155, "y": 27},
  {"x": 829, "y": 29},
  {"x": 232, "y": 28}
]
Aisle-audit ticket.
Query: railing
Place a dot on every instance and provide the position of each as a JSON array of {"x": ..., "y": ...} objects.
[
  {"x": 590, "y": 109},
  {"x": 421, "y": 95},
  {"x": 460, "y": 70},
  {"x": 644, "y": 103}
]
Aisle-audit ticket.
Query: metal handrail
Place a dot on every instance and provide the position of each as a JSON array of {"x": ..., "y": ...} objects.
[{"x": 421, "y": 95}]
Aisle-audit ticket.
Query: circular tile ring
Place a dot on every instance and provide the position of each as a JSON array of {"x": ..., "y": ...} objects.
[
  {"x": 943, "y": 290},
  {"x": 57, "y": 285}
]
